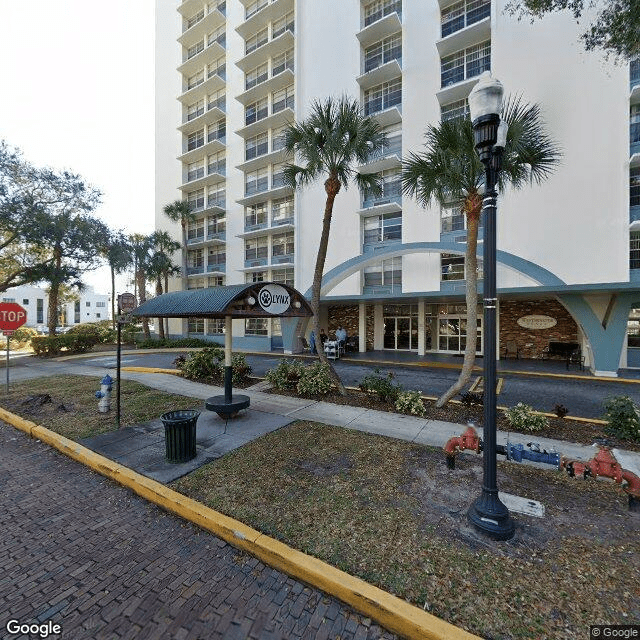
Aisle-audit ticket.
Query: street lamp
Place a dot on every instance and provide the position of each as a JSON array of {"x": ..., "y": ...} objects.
[{"x": 487, "y": 513}]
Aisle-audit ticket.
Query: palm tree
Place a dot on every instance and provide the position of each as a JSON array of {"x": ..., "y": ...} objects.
[
  {"x": 141, "y": 246},
  {"x": 449, "y": 171},
  {"x": 330, "y": 143},
  {"x": 180, "y": 211},
  {"x": 117, "y": 253},
  {"x": 161, "y": 267}
]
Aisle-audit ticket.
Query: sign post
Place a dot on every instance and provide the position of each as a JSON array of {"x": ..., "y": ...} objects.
[
  {"x": 12, "y": 317},
  {"x": 126, "y": 304}
]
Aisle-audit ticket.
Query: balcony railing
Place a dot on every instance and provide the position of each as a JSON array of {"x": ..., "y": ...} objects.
[
  {"x": 195, "y": 175},
  {"x": 375, "y": 105},
  {"x": 391, "y": 191},
  {"x": 384, "y": 11},
  {"x": 372, "y": 62},
  {"x": 218, "y": 266},
  {"x": 393, "y": 148},
  {"x": 251, "y": 224},
  {"x": 465, "y": 64},
  {"x": 634, "y": 72},
  {"x": 195, "y": 239},
  {"x": 458, "y": 16},
  {"x": 193, "y": 270},
  {"x": 256, "y": 187}
]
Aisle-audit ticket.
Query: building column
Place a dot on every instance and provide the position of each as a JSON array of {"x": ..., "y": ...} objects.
[
  {"x": 421, "y": 327},
  {"x": 362, "y": 327},
  {"x": 378, "y": 328}
]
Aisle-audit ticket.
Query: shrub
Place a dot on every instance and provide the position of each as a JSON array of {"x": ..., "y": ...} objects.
[
  {"x": 21, "y": 338},
  {"x": 470, "y": 398},
  {"x": 560, "y": 410},
  {"x": 315, "y": 380},
  {"x": 286, "y": 375},
  {"x": 410, "y": 402},
  {"x": 623, "y": 418},
  {"x": 208, "y": 364},
  {"x": 55, "y": 345},
  {"x": 524, "y": 418},
  {"x": 381, "y": 386},
  {"x": 174, "y": 343},
  {"x": 100, "y": 332},
  {"x": 240, "y": 367}
]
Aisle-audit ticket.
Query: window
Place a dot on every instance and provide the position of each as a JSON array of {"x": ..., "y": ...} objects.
[
  {"x": 254, "y": 7},
  {"x": 195, "y": 283},
  {"x": 256, "y": 248},
  {"x": 282, "y": 62},
  {"x": 216, "y": 256},
  {"x": 25, "y": 300},
  {"x": 195, "y": 231},
  {"x": 382, "y": 52},
  {"x": 217, "y": 131},
  {"x": 255, "y": 276},
  {"x": 286, "y": 23},
  {"x": 195, "y": 80},
  {"x": 256, "y": 146},
  {"x": 195, "y": 19},
  {"x": 195, "y": 170},
  {"x": 39, "y": 310},
  {"x": 216, "y": 281},
  {"x": 452, "y": 266},
  {"x": 256, "y": 327},
  {"x": 277, "y": 139},
  {"x": 255, "y": 41},
  {"x": 277, "y": 179},
  {"x": 283, "y": 244},
  {"x": 391, "y": 188},
  {"x": 219, "y": 36},
  {"x": 215, "y": 326},
  {"x": 195, "y": 325},
  {"x": 218, "y": 68},
  {"x": 634, "y": 123},
  {"x": 196, "y": 199},
  {"x": 634, "y": 187},
  {"x": 216, "y": 225},
  {"x": 255, "y": 215},
  {"x": 195, "y": 140},
  {"x": 458, "y": 109},
  {"x": 216, "y": 196},
  {"x": 462, "y": 14},
  {"x": 387, "y": 273},
  {"x": 469, "y": 63},
  {"x": 383, "y": 96},
  {"x": 217, "y": 163},
  {"x": 383, "y": 228},
  {"x": 195, "y": 49},
  {"x": 97, "y": 315},
  {"x": 8, "y": 299},
  {"x": 256, "y": 181},
  {"x": 451, "y": 218},
  {"x": 283, "y": 275},
  {"x": 87, "y": 304},
  {"x": 376, "y": 10},
  {"x": 101, "y": 304},
  {"x": 256, "y": 76},
  {"x": 256, "y": 111},
  {"x": 217, "y": 100},
  {"x": 194, "y": 110},
  {"x": 634, "y": 70},
  {"x": 195, "y": 259},
  {"x": 282, "y": 211},
  {"x": 634, "y": 248},
  {"x": 283, "y": 99}
]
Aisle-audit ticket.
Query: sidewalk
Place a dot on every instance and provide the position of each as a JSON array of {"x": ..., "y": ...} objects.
[{"x": 140, "y": 446}]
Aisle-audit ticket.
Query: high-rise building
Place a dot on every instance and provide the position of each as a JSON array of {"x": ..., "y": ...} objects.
[{"x": 230, "y": 75}]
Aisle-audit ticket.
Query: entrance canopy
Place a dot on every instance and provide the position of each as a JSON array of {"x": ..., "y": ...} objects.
[{"x": 256, "y": 300}]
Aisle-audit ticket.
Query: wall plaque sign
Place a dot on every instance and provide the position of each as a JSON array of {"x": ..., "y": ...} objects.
[
  {"x": 537, "y": 322},
  {"x": 274, "y": 299}
]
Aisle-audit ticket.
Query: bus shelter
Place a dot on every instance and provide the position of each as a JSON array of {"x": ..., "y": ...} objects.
[{"x": 231, "y": 302}]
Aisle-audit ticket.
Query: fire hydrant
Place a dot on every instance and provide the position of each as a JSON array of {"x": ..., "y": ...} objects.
[{"x": 104, "y": 395}]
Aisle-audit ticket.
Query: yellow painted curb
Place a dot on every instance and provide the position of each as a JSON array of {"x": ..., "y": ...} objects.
[
  {"x": 175, "y": 372},
  {"x": 393, "y": 613}
]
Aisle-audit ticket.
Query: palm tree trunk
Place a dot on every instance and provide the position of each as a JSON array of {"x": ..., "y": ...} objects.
[
  {"x": 166, "y": 290},
  {"x": 54, "y": 290},
  {"x": 471, "y": 264},
  {"x": 140, "y": 280},
  {"x": 332, "y": 187}
]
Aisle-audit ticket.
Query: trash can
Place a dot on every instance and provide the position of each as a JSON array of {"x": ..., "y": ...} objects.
[{"x": 180, "y": 435}]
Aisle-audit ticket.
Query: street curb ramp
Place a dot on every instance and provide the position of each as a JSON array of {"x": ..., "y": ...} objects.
[{"x": 391, "y": 612}]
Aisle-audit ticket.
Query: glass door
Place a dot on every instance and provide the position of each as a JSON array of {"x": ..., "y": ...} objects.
[
  {"x": 452, "y": 334},
  {"x": 401, "y": 334}
]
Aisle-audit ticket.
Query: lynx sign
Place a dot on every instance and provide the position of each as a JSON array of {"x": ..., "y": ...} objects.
[
  {"x": 12, "y": 316},
  {"x": 274, "y": 299}
]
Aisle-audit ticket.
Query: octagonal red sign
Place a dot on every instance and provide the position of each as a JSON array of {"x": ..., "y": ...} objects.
[{"x": 12, "y": 316}]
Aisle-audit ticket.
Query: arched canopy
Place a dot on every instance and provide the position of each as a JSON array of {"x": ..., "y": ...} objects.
[{"x": 256, "y": 300}]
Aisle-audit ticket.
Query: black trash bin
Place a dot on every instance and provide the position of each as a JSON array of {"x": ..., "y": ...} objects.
[{"x": 180, "y": 435}]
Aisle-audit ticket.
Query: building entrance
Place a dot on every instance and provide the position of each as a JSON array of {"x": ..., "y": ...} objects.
[{"x": 401, "y": 327}]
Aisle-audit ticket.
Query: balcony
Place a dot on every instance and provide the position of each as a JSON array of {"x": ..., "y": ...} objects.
[
  {"x": 389, "y": 157},
  {"x": 191, "y": 66},
  {"x": 387, "y": 110},
  {"x": 272, "y": 11},
  {"x": 271, "y": 84},
  {"x": 274, "y": 121},
  {"x": 634, "y": 213},
  {"x": 256, "y": 263},
  {"x": 210, "y": 85},
  {"x": 272, "y": 193},
  {"x": 385, "y": 26},
  {"x": 391, "y": 198},
  {"x": 634, "y": 138},
  {"x": 263, "y": 160},
  {"x": 199, "y": 30},
  {"x": 383, "y": 73},
  {"x": 216, "y": 237},
  {"x": 207, "y": 149},
  {"x": 634, "y": 73},
  {"x": 206, "y": 117},
  {"x": 195, "y": 271},
  {"x": 477, "y": 32},
  {"x": 208, "y": 177},
  {"x": 460, "y": 15},
  {"x": 264, "y": 229},
  {"x": 287, "y": 260},
  {"x": 259, "y": 56}
]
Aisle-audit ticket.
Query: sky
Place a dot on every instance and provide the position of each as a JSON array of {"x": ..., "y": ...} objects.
[{"x": 77, "y": 93}]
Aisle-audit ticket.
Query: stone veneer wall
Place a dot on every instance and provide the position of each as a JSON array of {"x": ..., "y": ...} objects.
[
  {"x": 347, "y": 316},
  {"x": 532, "y": 342}
]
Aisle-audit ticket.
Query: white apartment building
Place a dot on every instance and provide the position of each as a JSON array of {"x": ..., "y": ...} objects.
[
  {"x": 88, "y": 307},
  {"x": 230, "y": 75}
]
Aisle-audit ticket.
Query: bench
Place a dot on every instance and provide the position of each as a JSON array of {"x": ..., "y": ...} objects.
[{"x": 570, "y": 352}]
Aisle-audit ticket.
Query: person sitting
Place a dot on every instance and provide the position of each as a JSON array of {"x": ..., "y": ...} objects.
[
  {"x": 323, "y": 337},
  {"x": 341, "y": 337}
]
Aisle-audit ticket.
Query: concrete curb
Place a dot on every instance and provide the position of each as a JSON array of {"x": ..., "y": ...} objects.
[{"x": 391, "y": 612}]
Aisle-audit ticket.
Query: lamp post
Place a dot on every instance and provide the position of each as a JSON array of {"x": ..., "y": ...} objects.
[{"x": 487, "y": 513}]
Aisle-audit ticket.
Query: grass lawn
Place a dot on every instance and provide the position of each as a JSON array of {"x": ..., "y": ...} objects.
[
  {"x": 393, "y": 514},
  {"x": 72, "y": 408}
]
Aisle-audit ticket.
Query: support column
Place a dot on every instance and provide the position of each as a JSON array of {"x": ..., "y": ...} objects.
[
  {"x": 362, "y": 327},
  {"x": 228, "y": 368},
  {"x": 421, "y": 318},
  {"x": 378, "y": 328}
]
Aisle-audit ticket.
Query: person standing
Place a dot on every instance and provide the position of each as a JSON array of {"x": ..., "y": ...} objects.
[
  {"x": 341, "y": 337},
  {"x": 312, "y": 342}
]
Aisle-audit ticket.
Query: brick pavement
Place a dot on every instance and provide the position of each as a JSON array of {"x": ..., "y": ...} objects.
[{"x": 103, "y": 563}]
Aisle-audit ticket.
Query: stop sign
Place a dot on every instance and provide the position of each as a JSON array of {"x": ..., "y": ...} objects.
[{"x": 12, "y": 316}]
